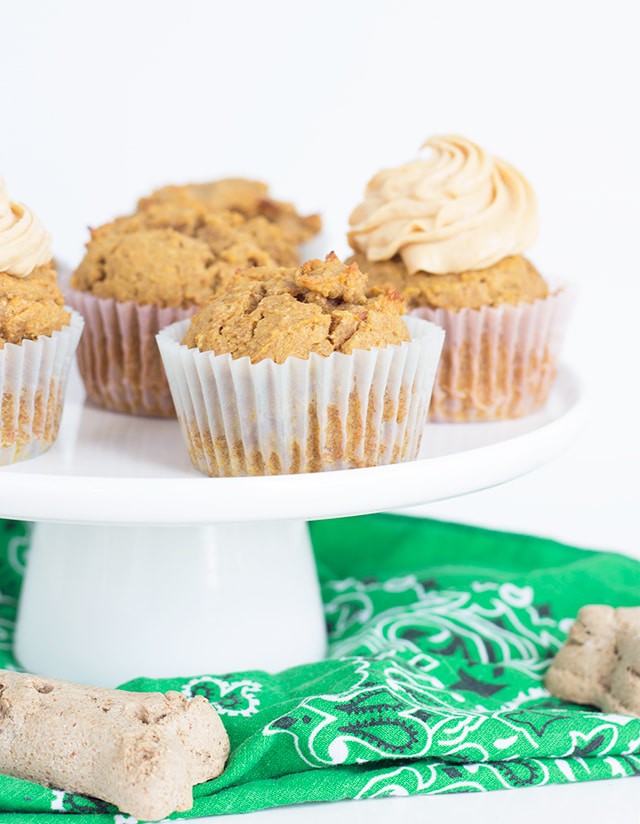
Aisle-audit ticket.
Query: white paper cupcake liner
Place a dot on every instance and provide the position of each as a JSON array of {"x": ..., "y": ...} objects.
[
  {"x": 118, "y": 356},
  {"x": 338, "y": 412},
  {"x": 33, "y": 380},
  {"x": 498, "y": 362}
]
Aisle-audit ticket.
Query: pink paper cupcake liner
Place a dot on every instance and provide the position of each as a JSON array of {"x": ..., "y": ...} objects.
[
  {"x": 498, "y": 363},
  {"x": 118, "y": 355}
]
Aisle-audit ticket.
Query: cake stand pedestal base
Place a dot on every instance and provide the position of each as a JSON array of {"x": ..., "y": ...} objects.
[{"x": 104, "y": 604}]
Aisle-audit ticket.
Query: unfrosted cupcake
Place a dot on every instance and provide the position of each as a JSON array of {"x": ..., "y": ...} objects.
[
  {"x": 449, "y": 232},
  {"x": 250, "y": 198},
  {"x": 145, "y": 271},
  {"x": 299, "y": 370},
  {"x": 38, "y": 336}
]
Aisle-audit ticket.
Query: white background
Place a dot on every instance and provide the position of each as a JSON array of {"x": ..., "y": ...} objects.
[{"x": 101, "y": 101}]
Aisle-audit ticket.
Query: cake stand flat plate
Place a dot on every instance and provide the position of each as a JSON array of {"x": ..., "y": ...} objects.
[{"x": 119, "y": 469}]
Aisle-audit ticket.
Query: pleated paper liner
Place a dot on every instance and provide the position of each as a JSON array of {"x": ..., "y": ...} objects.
[
  {"x": 338, "y": 412},
  {"x": 33, "y": 381},
  {"x": 118, "y": 356},
  {"x": 498, "y": 362}
]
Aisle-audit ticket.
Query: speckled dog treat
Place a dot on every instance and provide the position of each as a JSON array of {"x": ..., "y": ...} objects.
[
  {"x": 142, "y": 752},
  {"x": 600, "y": 662}
]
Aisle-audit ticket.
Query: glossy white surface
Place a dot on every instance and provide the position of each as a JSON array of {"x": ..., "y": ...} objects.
[
  {"x": 156, "y": 600},
  {"x": 161, "y": 601},
  {"x": 119, "y": 469}
]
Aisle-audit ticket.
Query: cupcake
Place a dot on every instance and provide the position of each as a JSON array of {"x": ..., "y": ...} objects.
[
  {"x": 301, "y": 370},
  {"x": 145, "y": 271},
  {"x": 449, "y": 232},
  {"x": 38, "y": 336},
  {"x": 249, "y": 198}
]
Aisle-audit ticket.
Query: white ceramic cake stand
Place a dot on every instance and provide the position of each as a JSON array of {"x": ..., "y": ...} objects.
[{"x": 141, "y": 566}]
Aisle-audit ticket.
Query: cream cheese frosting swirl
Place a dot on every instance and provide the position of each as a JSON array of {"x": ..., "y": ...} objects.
[
  {"x": 24, "y": 243},
  {"x": 455, "y": 210}
]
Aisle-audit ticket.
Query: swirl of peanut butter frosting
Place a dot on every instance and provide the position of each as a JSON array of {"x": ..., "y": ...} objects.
[
  {"x": 457, "y": 209},
  {"x": 24, "y": 242}
]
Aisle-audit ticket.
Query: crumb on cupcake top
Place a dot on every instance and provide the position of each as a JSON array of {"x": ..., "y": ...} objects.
[
  {"x": 249, "y": 198},
  {"x": 512, "y": 280},
  {"x": 221, "y": 230},
  {"x": 31, "y": 306},
  {"x": 278, "y": 313},
  {"x": 172, "y": 255}
]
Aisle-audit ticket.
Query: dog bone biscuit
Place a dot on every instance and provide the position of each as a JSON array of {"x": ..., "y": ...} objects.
[
  {"x": 142, "y": 752},
  {"x": 600, "y": 661}
]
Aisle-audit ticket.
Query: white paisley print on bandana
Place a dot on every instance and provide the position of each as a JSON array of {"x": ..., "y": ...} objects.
[
  {"x": 227, "y": 697},
  {"x": 451, "y": 679}
]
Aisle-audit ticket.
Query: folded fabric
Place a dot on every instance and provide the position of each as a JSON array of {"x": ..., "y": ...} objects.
[{"x": 439, "y": 637}]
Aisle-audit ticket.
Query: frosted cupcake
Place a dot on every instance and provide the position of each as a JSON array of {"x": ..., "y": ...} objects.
[
  {"x": 449, "y": 232},
  {"x": 38, "y": 336},
  {"x": 145, "y": 271},
  {"x": 299, "y": 370}
]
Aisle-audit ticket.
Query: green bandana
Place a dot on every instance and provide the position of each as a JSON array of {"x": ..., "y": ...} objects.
[{"x": 439, "y": 637}]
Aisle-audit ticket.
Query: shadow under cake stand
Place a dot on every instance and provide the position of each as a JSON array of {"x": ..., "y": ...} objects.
[{"x": 141, "y": 566}]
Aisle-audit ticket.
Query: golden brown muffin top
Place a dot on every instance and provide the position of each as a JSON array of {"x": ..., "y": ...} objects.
[
  {"x": 510, "y": 281},
  {"x": 174, "y": 256},
  {"x": 221, "y": 230},
  {"x": 246, "y": 197},
  {"x": 31, "y": 306},
  {"x": 321, "y": 307}
]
